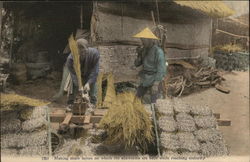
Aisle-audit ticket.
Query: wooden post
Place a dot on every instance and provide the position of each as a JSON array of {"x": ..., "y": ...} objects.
[
  {"x": 81, "y": 17},
  {"x": 210, "y": 39},
  {"x": 158, "y": 13},
  {"x": 1, "y": 18},
  {"x": 153, "y": 17},
  {"x": 12, "y": 40}
]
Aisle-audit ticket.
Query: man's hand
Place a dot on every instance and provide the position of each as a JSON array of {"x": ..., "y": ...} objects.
[
  {"x": 86, "y": 87},
  {"x": 84, "y": 92},
  {"x": 85, "y": 97}
]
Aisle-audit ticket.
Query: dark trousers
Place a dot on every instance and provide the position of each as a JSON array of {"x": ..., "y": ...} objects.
[{"x": 141, "y": 91}]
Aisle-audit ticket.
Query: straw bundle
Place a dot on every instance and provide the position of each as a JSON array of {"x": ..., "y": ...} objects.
[
  {"x": 99, "y": 89},
  {"x": 24, "y": 139},
  {"x": 76, "y": 57},
  {"x": 127, "y": 122},
  {"x": 229, "y": 48},
  {"x": 10, "y": 126},
  {"x": 14, "y": 101},
  {"x": 214, "y": 149},
  {"x": 210, "y": 134},
  {"x": 110, "y": 96}
]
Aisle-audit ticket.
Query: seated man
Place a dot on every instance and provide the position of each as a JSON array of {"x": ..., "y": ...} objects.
[
  {"x": 89, "y": 59},
  {"x": 152, "y": 58}
]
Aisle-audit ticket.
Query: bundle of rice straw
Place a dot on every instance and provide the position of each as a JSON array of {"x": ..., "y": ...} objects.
[
  {"x": 229, "y": 48},
  {"x": 99, "y": 89},
  {"x": 76, "y": 57},
  {"x": 110, "y": 95},
  {"x": 127, "y": 122},
  {"x": 14, "y": 101}
]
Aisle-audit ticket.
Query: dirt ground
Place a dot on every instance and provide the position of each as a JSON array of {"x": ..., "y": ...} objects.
[
  {"x": 233, "y": 106},
  {"x": 43, "y": 89}
]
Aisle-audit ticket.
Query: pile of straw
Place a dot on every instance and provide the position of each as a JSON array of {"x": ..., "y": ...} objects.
[
  {"x": 14, "y": 101},
  {"x": 229, "y": 48},
  {"x": 127, "y": 122}
]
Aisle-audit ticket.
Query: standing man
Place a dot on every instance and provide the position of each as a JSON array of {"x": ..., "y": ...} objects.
[
  {"x": 89, "y": 59},
  {"x": 152, "y": 59}
]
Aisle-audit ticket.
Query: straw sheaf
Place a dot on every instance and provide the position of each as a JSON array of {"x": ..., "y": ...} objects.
[
  {"x": 127, "y": 122},
  {"x": 13, "y": 101},
  {"x": 76, "y": 57}
]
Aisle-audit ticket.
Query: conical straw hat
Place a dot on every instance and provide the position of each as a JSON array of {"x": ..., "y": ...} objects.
[{"x": 145, "y": 33}]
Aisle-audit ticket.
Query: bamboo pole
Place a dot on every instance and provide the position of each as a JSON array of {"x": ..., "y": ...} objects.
[
  {"x": 49, "y": 131},
  {"x": 231, "y": 34},
  {"x": 81, "y": 17},
  {"x": 211, "y": 38},
  {"x": 153, "y": 17}
]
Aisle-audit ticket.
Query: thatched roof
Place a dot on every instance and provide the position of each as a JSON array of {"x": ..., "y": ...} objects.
[{"x": 216, "y": 9}]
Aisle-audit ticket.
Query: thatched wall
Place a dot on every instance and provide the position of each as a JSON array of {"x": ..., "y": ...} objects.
[
  {"x": 107, "y": 27},
  {"x": 112, "y": 34},
  {"x": 119, "y": 59}
]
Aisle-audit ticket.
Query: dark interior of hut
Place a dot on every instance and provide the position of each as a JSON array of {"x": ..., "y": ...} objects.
[
  {"x": 46, "y": 27},
  {"x": 40, "y": 35}
]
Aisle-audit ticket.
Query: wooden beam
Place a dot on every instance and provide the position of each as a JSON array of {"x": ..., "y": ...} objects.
[
  {"x": 77, "y": 119},
  {"x": 184, "y": 46},
  {"x": 67, "y": 118},
  {"x": 95, "y": 119},
  {"x": 100, "y": 112},
  {"x": 85, "y": 126},
  {"x": 221, "y": 122},
  {"x": 137, "y": 43},
  {"x": 58, "y": 111},
  {"x": 222, "y": 89},
  {"x": 217, "y": 115},
  {"x": 87, "y": 119},
  {"x": 231, "y": 34},
  {"x": 57, "y": 117}
]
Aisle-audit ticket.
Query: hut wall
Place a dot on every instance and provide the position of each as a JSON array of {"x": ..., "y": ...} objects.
[
  {"x": 119, "y": 60},
  {"x": 112, "y": 35}
]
